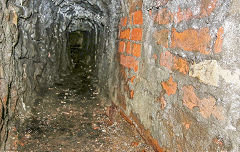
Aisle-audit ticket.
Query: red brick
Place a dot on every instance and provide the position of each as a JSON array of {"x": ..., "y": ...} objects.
[
  {"x": 135, "y": 66},
  {"x": 136, "y": 51},
  {"x": 129, "y": 62},
  {"x": 125, "y": 34},
  {"x": 132, "y": 79},
  {"x": 181, "y": 65},
  {"x": 192, "y": 40},
  {"x": 128, "y": 48},
  {"x": 136, "y": 34},
  {"x": 189, "y": 97},
  {"x": 123, "y": 21},
  {"x": 207, "y": 7},
  {"x": 121, "y": 46},
  {"x": 162, "y": 37},
  {"x": 131, "y": 94},
  {"x": 219, "y": 41},
  {"x": 174, "y": 63},
  {"x": 170, "y": 86},
  {"x": 166, "y": 59},
  {"x": 183, "y": 15},
  {"x": 207, "y": 105},
  {"x": 163, "y": 16},
  {"x": 137, "y": 18}
]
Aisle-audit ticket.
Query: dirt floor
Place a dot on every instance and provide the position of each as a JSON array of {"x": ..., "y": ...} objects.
[{"x": 71, "y": 117}]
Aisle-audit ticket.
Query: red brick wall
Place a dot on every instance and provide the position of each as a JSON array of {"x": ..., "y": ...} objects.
[
  {"x": 172, "y": 59},
  {"x": 130, "y": 41}
]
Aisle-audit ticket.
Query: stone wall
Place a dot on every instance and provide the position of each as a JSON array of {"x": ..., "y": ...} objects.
[
  {"x": 33, "y": 44},
  {"x": 33, "y": 54},
  {"x": 179, "y": 73}
]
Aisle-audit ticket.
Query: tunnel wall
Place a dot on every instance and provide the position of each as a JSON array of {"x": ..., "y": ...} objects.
[
  {"x": 33, "y": 45},
  {"x": 178, "y": 76},
  {"x": 33, "y": 42},
  {"x": 106, "y": 55}
]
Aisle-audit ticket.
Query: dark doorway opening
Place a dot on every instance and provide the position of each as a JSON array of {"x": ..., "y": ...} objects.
[{"x": 82, "y": 49}]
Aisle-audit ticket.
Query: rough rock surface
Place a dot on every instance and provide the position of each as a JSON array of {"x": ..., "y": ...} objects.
[
  {"x": 33, "y": 46},
  {"x": 171, "y": 67}
]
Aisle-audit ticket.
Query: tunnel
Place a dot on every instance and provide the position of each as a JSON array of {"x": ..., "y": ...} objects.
[{"x": 120, "y": 75}]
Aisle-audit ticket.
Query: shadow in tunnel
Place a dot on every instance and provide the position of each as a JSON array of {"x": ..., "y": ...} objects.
[
  {"x": 81, "y": 46},
  {"x": 82, "y": 50}
]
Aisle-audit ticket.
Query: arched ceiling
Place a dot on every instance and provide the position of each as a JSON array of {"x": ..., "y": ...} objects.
[{"x": 83, "y": 14}]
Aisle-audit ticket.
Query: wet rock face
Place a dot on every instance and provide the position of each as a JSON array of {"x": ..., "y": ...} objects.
[
  {"x": 84, "y": 14},
  {"x": 9, "y": 38},
  {"x": 33, "y": 42}
]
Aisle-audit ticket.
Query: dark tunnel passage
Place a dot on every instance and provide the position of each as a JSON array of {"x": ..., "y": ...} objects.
[
  {"x": 71, "y": 116},
  {"x": 82, "y": 48},
  {"x": 119, "y": 75}
]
